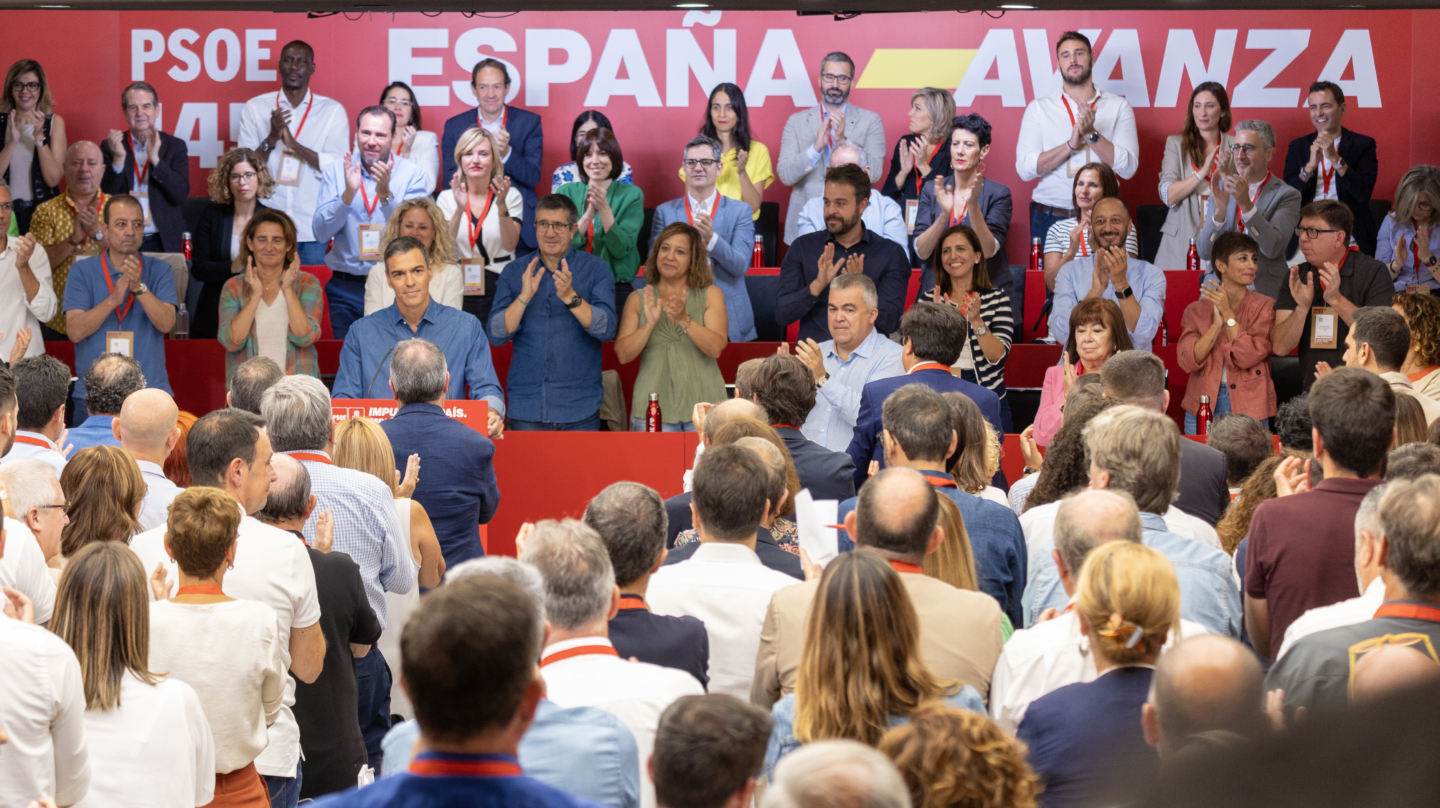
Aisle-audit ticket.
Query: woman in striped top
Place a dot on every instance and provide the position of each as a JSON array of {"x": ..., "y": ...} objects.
[
  {"x": 963, "y": 281},
  {"x": 1069, "y": 239}
]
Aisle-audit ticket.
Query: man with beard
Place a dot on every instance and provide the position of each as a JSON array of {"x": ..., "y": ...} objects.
[
  {"x": 807, "y": 147},
  {"x": 1246, "y": 197},
  {"x": 300, "y": 133},
  {"x": 1062, "y": 131},
  {"x": 845, "y": 246},
  {"x": 1334, "y": 163},
  {"x": 357, "y": 196},
  {"x": 1136, "y": 286}
]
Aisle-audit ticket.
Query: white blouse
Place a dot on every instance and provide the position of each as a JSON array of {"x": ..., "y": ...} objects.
[
  {"x": 425, "y": 151},
  {"x": 447, "y": 287},
  {"x": 489, "y": 228}
]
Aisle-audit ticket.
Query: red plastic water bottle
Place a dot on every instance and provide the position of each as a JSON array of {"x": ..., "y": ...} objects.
[
  {"x": 188, "y": 249},
  {"x": 1202, "y": 420},
  {"x": 757, "y": 256},
  {"x": 652, "y": 414},
  {"x": 1192, "y": 258},
  {"x": 1035, "y": 254}
]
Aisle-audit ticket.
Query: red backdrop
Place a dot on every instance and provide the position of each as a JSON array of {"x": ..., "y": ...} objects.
[{"x": 650, "y": 79}]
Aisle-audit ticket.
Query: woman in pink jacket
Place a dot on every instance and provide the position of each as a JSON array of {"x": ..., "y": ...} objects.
[
  {"x": 1097, "y": 332},
  {"x": 1225, "y": 338}
]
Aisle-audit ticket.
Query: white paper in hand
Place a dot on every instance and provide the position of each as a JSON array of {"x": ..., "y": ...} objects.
[{"x": 812, "y": 521}]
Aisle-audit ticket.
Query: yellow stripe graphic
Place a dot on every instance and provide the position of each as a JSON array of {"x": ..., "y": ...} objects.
[{"x": 907, "y": 68}]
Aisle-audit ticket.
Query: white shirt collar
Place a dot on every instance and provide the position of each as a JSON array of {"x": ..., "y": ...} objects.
[
  {"x": 724, "y": 552},
  {"x": 146, "y": 467},
  {"x": 697, "y": 205}
]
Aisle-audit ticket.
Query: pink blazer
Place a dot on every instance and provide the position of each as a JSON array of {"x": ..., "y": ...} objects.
[
  {"x": 1246, "y": 360},
  {"x": 1052, "y": 398}
]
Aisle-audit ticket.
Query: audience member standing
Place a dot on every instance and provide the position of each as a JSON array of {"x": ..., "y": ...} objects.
[
  {"x": 966, "y": 197},
  {"x": 1409, "y": 239},
  {"x": 299, "y": 133},
  {"x": 1335, "y": 163},
  {"x": 148, "y": 739},
  {"x": 25, "y": 287},
  {"x": 148, "y": 430},
  {"x": 611, "y": 213},
  {"x": 744, "y": 171},
  {"x": 519, "y": 138},
  {"x": 708, "y": 750},
  {"x": 1202, "y": 145},
  {"x": 811, "y": 135},
  {"x": 1096, "y": 127},
  {"x": 1136, "y": 286},
  {"x": 68, "y": 226},
  {"x": 412, "y": 141},
  {"x": 1422, "y": 361},
  {"x": 34, "y": 138},
  {"x": 855, "y": 355},
  {"x": 237, "y": 185},
  {"x": 39, "y": 505},
  {"x": 586, "y": 121},
  {"x": 273, "y": 310},
  {"x": 483, "y": 211},
  {"x": 785, "y": 388},
  {"x": 42, "y": 385},
  {"x": 1204, "y": 689},
  {"x": 951, "y": 757},
  {"x": 150, "y": 165},
  {"x": 1378, "y": 342},
  {"x": 250, "y": 381},
  {"x": 103, "y": 494},
  {"x": 831, "y": 774},
  {"x": 423, "y": 221},
  {"x": 921, "y": 152}
]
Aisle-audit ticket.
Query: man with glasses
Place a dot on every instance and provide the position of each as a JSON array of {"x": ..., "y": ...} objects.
[
  {"x": 558, "y": 305},
  {"x": 1334, "y": 163},
  {"x": 26, "y": 296},
  {"x": 724, "y": 223},
  {"x": 1246, "y": 197},
  {"x": 39, "y": 505},
  {"x": 151, "y": 166},
  {"x": 811, "y": 136},
  {"x": 1317, "y": 321},
  {"x": 300, "y": 133}
]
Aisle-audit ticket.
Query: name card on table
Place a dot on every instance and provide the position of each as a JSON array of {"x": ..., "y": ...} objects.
[{"x": 474, "y": 414}]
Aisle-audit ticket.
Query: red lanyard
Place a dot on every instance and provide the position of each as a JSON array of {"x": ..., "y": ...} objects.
[
  {"x": 590, "y": 238},
  {"x": 906, "y": 566},
  {"x": 1239, "y": 218},
  {"x": 941, "y": 482},
  {"x": 628, "y": 602},
  {"x": 931, "y": 159},
  {"x": 1084, "y": 241},
  {"x": 110, "y": 284},
  {"x": 313, "y": 456},
  {"x": 1326, "y": 175},
  {"x": 954, "y": 220},
  {"x": 303, "y": 118},
  {"x": 365, "y": 198},
  {"x": 433, "y": 764},
  {"x": 199, "y": 590},
  {"x": 930, "y": 366},
  {"x": 784, "y": 426},
  {"x": 504, "y": 116},
  {"x": 141, "y": 175},
  {"x": 475, "y": 227},
  {"x": 29, "y": 441},
  {"x": 1413, "y": 610},
  {"x": 1065, "y": 98},
  {"x": 583, "y": 650},
  {"x": 713, "y": 210}
]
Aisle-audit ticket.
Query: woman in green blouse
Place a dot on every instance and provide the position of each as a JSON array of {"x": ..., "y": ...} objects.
[
  {"x": 611, "y": 212},
  {"x": 677, "y": 324}
]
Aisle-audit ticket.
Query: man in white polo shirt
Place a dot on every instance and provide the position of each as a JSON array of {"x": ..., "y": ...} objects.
[{"x": 42, "y": 384}]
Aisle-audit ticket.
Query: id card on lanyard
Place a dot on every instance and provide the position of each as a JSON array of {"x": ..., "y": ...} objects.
[
  {"x": 141, "y": 190},
  {"x": 1077, "y": 159},
  {"x": 474, "y": 266},
  {"x": 1417, "y": 288},
  {"x": 370, "y": 233},
  {"x": 290, "y": 163},
  {"x": 121, "y": 342}
]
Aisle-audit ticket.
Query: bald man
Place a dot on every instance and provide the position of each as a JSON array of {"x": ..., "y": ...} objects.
[
  {"x": 897, "y": 516},
  {"x": 1388, "y": 670},
  {"x": 1204, "y": 685},
  {"x": 68, "y": 226},
  {"x": 708, "y": 421},
  {"x": 147, "y": 429},
  {"x": 1136, "y": 286}
]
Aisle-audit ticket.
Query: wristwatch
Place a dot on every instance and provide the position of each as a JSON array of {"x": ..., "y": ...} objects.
[
  {"x": 1230, "y": 323},
  {"x": 1123, "y": 294},
  {"x": 1094, "y": 137},
  {"x": 1434, "y": 259},
  {"x": 821, "y": 383},
  {"x": 142, "y": 290},
  {"x": 980, "y": 330},
  {"x": 574, "y": 302}
]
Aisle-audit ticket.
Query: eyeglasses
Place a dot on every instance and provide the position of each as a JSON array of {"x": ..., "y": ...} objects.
[
  {"x": 1313, "y": 232},
  {"x": 835, "y": 78},
  {"x": 6, "y": 207},
  {"x": 399, "y": 102},
  {"x": 31, "y": 86},
  {"x": 706, "y": 164},
  {"x": 246, "y": 177},
  {"x": 62, "y": 506},
  {"x": 556, "y": 227},
  {"x": 1243, "y": 148}
]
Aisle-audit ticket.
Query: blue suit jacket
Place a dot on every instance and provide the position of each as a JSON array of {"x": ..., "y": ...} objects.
[
  {"x": 527, "y": 145},
  {"x": 865, "y": 446},
  {"x": 670, "y": 642},
  {"x": 458, "y": 488},
  {"x": 729, "y": 260}
]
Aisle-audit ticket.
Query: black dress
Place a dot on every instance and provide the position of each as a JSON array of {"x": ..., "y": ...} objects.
[
  {"x": 909, "y": 192},
  {"x": 210, "y": 266}
]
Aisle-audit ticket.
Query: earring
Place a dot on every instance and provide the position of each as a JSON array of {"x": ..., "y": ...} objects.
[{"x": 230, "y": 566}]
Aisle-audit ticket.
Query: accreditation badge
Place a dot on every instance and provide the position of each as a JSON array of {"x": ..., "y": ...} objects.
[
  {"x": 1323, "y": 328},
  {"x": 144, "y": 197},
  {"x": 121, "y": 342},
  {"x": 289, "y": 169},
  {"x": 474, "y": 269},
  {"x": 370, "y": 241}
]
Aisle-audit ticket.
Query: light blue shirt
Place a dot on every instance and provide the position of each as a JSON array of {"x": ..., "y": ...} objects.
[
  {"x": 837, "y": 405},
  {"x": 86, "y": 288},
  {"x": 333, "y": 219},
  {"x": 883, "y": 215},
  {"x": 159, "y": 493},
  {"x": 94, "y": 431},
  {"x": 1075, "y": 280},
  {"x": 1208, "y": 592},
  {"x": 583, "y": 751}
]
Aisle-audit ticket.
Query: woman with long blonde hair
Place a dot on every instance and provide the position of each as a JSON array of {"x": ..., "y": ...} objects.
[
  {"x": 953, "y": 561},
  {"x": 482, "y": 213},
  {"x": 149, "y": 742},
  {"x": 860, "y": 672},
  {"x": 421, "y": 219}
]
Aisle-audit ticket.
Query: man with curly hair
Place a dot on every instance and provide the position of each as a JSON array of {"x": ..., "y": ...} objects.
[
  {"x": 110, "y": 379},
  {"x": 953, "y": 758}
]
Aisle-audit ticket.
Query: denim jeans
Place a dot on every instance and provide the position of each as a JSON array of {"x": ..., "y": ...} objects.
[
  {"x": 285, "y": 791},
  {"x": 638, "y": 425},
  {"x": 345, "y": 300},
  {"x": 591, "y": 424},
  {"x": 1218, "y": 408}
]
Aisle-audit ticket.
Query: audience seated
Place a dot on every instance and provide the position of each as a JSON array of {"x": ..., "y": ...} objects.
[
  {"x": 630, "y": 519},
  {"x": 586, "y": 121},
  {"x": 1097, "y": 332},
  {"x": 896, "y": 517},
  {"x": 1246, "y": 443},
  {"x": 580, "y": 666},
  {"x": 785, "y": 387},
  {"x": 1379, "y": 341},
  {"x": 147, "y": 430},
  {"x": 420, "y": 219},
  {"x": 708, "y": 751},
  {"x": 237, "y": 184},
  {"x": 250, "y": 381},
  {"x": 1204, "y": 686},
  {"x": 42, "y": 386},
  {"x": 38, "y": 502},
  {"x": 109, "y": 380},
  {"x": 1407, "y": 242},
  {"x": 836, "y": 774},
  {"x": 952, "y": 757}
]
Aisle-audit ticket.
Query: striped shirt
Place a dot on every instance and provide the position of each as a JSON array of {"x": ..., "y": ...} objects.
[
  {"x": 1057, "y": 240},
  {"x": 996, "y": 315}
]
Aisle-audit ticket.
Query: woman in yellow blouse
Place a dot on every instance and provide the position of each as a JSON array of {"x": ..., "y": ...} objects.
[{"x": 728, "y": 121}]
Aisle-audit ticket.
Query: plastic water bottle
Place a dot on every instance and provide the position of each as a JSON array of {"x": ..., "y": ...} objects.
[
  {"x": 1202, "y": 420},
  {"x": 1192, "y": 258},
  {"x": 189, "y": 249},
  {"x": 1035, "y": 254},
  {"x": 652, "y": 414},
  {"x": 182, "y": 324},
  {"x": 757, "y": 256}
]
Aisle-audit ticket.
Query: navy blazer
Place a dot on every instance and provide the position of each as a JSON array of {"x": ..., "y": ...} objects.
[
  {"x": 457, "y": 475},
  {"x": 828, "y": 475},
  {"x": 670, "y": 642},
  {"x": 866, "y": 446},
  {"x": 729, "y": 261},
  {"x": 169, "y": 185},
  {"x": 677, "y": 508},
  {"x": 527, "y": 146},
  {"x": 1354, "y": 189},
  {"x": 771, "y": 554}
]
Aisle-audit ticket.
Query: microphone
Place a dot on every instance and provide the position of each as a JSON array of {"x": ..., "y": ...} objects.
[{"x": 376, "y": 374}]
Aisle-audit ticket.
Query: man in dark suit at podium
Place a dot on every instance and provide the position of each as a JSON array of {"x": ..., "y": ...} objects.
[
  {"x": 1334, "y": 163},
  {"x": 516, "y": 130}
]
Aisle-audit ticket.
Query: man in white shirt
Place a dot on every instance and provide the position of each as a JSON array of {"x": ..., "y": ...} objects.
[
  {"x": 38, "y": 502},
  {"x": 1370, "y": 547},
  {"x": 42, "y": 385},
  {"x": 580, "y": 665},
  {"x": 1075, "y": 125},
  {"x": 27, "y": 297},
  {"x": 228, "y": 449},
  {"x": 723, "y": 583},
  {"x": 883, "y": 214},
  {"x": 147, "y": 429},
  {"x": 1055, "y": 651},
  {"x": 1205, "y": 685},
  {"x": 42, "y": 708},
  {"x": 855, "y": 355},
  {"x": 300, "y": 132}
]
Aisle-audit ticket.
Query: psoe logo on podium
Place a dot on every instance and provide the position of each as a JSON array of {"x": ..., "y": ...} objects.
[{"x": 474, "y": 414}]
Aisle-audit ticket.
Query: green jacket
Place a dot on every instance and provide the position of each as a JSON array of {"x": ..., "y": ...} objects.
[{"x": 618, "y": 246}]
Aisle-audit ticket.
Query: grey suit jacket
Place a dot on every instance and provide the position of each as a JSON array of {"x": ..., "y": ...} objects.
[
  {"x": 1278, "y": 211},
  {"x": 1182, "y": 221},
  {"x": 862, "y": 127},
  {"x": 729, "y": 260}
]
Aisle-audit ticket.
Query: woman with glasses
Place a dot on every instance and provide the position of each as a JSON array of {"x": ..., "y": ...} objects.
[
  {"x": 412, "y": 142},
  {"x": 586, "y": 121},
  {"x": 611, "y": 213},
  {"x": 32, "y": 140},
  {"x": 728, "y": 121},
  {"x": 1190, "y": 158},
  {"x": 236, "y": 186},
  {"x": 1409, "y": 241}
]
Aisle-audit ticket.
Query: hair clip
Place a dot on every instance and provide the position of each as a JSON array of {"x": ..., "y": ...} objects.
[{"x": 1135, "y": 637}]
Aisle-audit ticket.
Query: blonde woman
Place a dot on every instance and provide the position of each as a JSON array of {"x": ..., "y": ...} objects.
[
  {"x": 150, "y": 745},
  {"x": 953, "y": 561},
  {"x": 922, "y": 154},
  {"x": 361, "y": 444},
  {"x": 421, "y": 219},
  {"x": 860, "y": 672},
  {"x": 274, "y": 308},
  {"x": 1128, "y": 601},
  {"x": 482, "y": 211},
  {"x": 236, "y": 185},
  {"x": 32, "y": 140}
]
